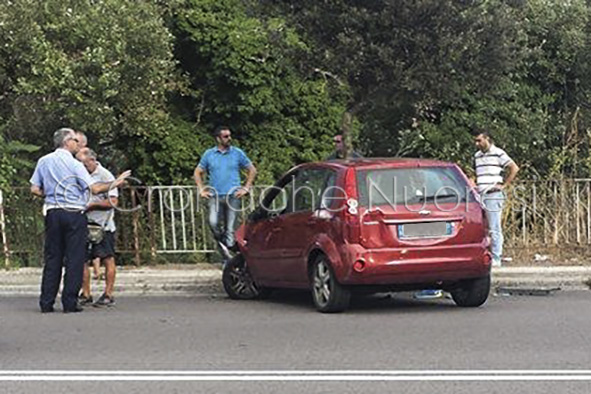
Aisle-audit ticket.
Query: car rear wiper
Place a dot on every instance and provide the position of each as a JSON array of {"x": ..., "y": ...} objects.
[{"x": 440, "y": 196}]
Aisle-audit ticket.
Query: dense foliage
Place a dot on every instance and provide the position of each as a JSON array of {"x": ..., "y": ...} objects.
[{"x": 148, "y": 81}]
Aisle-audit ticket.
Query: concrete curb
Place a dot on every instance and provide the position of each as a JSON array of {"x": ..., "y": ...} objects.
[
  {"x": 207, "y": 281},
  {"x": 129, "y": 282},
  {"x": 566, "y": 277}
]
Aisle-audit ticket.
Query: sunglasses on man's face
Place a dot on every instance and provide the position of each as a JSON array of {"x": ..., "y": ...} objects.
[
  {"x": 225, "y": 136},
  {"x": 75, "y": 139}
]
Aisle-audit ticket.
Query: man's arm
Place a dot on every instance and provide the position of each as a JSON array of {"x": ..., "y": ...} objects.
[
  {"x": 512, "y": 170},
  {"x": 36, "y": 181},
  {"x": 252, "y": 173},
  {"x": 198, "y": 175},
  {"x": 103, "y": 205},
  {"x": 103, "y": 187}
]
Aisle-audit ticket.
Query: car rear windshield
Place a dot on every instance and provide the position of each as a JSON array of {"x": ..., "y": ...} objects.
[{"x": 400, "y": 186}]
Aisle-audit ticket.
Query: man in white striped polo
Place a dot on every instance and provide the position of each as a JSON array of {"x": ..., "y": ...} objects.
[{"x": 490, "y": 162}]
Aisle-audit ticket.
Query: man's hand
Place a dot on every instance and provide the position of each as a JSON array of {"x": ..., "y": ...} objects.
[
  {"x": 205, "y": 193},
  {"x": 121, "y": 178},
  {"x": 243, "y": 191},
  {"x": 37, "y": 191}
]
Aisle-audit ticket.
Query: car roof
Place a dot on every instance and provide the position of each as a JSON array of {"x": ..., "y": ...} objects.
[{"x": 384, "y": 162}]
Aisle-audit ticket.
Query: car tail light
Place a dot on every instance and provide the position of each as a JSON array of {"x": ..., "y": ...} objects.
[
  {"x": 351, "y": 211},
  {"x": 351, "y": 184}
]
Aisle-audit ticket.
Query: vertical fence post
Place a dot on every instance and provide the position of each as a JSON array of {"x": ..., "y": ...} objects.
[
  {"x": 557, "y": 213},
  {"x": 152, "y": 227},
  {"x": 578, "y": 209},
  {"x": 524, "y": 225},
  {"x": 193, "y": 227},
  {"x": 202, "y": 216},
  {"x": 172, "y": 216},
  {"x": 563, "y": 202},
  {"x": 544, "y": 208},
  {"x": 3, "y": 230},
  {"x": 588, "y": 212},
  {"x": 136, "y": 235},
  {"x": 534, "y": 210},
  {"x": 184, "y": 224},
  {"x": 162, "y": 224}
]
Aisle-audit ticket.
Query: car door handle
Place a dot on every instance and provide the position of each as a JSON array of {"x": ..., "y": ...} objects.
[{"x": 276, "y": 230}]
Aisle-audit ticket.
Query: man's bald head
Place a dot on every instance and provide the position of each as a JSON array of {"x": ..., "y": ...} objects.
[{"x": 82, "y": 154}]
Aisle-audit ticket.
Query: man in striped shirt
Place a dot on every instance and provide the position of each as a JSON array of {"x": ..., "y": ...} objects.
[{"x": 490, "y": 162}]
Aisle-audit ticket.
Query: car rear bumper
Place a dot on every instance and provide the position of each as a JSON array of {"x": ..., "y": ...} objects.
[{"x": 403, "y": 266}]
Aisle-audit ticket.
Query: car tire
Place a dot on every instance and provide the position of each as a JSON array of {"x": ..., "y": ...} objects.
[
  {"x": 472, "y": 293},
  {"x": 328, "y": 294},
  {"x": 238, "y": 283}
]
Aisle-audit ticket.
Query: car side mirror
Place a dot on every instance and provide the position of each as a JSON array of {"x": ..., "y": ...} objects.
[
  {"x": 323, "y": 214},
  {"x": 255, "y": 215}
]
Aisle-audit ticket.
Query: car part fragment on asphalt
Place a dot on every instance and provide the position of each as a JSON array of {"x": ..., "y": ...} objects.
[{"x": 531, "y": 291}]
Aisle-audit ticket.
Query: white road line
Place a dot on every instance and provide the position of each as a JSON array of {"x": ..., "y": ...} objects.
[
  {"x": 290, "y": 375},
  {"x": 308, "y": 378},
  {"x": 297, "y": 372}
]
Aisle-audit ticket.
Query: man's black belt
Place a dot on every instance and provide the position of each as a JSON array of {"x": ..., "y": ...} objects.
[{"x": 75, "y": 210}]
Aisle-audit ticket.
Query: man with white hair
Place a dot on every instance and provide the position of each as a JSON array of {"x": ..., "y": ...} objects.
[
  {"x": 82, "y": 156},
  {"x": 101, "y": 212}
]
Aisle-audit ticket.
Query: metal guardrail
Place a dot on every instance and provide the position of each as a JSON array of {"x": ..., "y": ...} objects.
[
  {"x": 4, "y": 239},
  {"x": 152, "y": 221},
  {"x": 160, "y": 221},
  {"x": 553, "y": 213}
]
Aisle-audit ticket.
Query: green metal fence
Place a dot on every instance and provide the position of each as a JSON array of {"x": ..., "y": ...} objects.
[{"x": 162, "y": 224}]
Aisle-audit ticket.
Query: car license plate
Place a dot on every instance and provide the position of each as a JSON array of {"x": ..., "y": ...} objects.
[{"x": 424, "y": 230}]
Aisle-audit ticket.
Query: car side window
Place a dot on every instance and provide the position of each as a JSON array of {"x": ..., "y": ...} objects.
[
  {"x": 330, "y": 192},
  {"x": 287, "y": 196},
  {"x": 309, "y": 187},
  {"x": 276, "y": 199}
]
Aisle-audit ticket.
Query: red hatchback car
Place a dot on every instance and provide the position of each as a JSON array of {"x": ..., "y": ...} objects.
[{"x": 364, "y": 225}]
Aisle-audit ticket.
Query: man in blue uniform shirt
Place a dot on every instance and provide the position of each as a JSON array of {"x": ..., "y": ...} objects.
[{"x": 223, "y": 163}]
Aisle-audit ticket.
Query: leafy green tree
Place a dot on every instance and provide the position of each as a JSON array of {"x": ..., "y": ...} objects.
[
  {"x": 406, "y": 60},
  {"x": 558, "y": 64},
  {"x": 243, "y": 73},
  {"x": 12, "y": 162},
  {"x": 104, "y": 67},
  {"x": 423, "y": 73}
]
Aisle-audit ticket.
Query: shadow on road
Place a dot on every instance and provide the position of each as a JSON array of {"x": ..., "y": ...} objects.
[{"x": 382, "y": 302}]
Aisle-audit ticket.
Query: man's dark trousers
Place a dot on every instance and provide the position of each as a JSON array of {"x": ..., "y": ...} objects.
[{"x": 66, "y": 234}]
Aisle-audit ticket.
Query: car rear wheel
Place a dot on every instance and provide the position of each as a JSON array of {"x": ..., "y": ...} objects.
[
  {"x": 472, "y": 293},
  {"x": 329, "y": 296},
  {"x": 238, "y": 282}
]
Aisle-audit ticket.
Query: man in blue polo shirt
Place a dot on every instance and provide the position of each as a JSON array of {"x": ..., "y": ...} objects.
[
  {"x": 65, "y": 185},
  {"x": 223, "y": 163}
]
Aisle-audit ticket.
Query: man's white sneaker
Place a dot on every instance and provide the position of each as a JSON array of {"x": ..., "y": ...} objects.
[{"x": 496, "y": 263}]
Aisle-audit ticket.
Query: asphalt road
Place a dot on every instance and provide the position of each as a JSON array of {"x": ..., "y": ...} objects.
[{"x": 382, "y": 344}]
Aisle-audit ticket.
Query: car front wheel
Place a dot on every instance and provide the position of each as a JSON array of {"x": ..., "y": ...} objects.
[
  {"x": 472, "y": 293},
  {"x": 238, "y": 283},
  {"x": 329, "y": 296}
]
